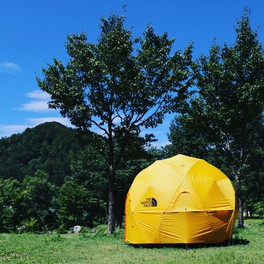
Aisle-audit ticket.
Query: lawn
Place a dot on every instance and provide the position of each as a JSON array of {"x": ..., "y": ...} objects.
[{"x": 88, "y": 247}]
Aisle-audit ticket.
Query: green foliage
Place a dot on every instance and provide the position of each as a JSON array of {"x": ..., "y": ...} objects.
[
  {"x": 31, "y": 225},
  {"x": 44, "y": 200},
  {"x": 34, "y": 165},
  {"x": 259, "y": 208},
  {"x": 118, "y": 85},
  {"x": 98, "y": 231},
  {"x": 74, "y": 202},
  {"x": 40, "y": 192},
  {"x": 13, "y": 204},
  {"x": 112, "y": 79},
  {"x": 224, "y": 119},
  {"x": 48, "y": 147},
  {"x": 184, "y": 140},
  {"x": 53, "y": 177}
]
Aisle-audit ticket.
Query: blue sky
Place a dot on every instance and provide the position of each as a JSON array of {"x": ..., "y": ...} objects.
[{"x": 33, "y": 32}]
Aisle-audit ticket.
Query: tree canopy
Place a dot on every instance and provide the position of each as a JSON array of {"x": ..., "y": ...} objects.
[
  {"x": 55, "y": 177},
  {"x": 61, "y": 181},
  {"x": 118, "y": 85},
  {"x": 227, "y": 109}
]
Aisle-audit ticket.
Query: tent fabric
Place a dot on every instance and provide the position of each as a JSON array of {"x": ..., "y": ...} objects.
[{"x": 180, "y": 200}]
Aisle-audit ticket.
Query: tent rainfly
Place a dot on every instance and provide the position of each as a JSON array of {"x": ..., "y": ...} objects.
[{"x": 180, "y": 200}]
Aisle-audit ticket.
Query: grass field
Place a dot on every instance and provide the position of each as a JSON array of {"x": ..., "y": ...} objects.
[{"x": 87, "y": 247}]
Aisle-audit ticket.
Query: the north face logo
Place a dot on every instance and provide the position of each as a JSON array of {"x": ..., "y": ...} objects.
[{"x": 150, "y": 202}]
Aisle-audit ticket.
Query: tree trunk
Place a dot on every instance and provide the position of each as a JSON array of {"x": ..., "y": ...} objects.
[
  {"x": 240, "y": 202},
  {"x": 113, "y": 164},
  {"x": 111, "y": 201},
  {"x": 240, "y": 213}
]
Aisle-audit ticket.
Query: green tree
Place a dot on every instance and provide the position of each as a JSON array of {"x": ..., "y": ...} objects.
[
  {"x": 48, "y": 147},
  {"x": 136, "y": 158},
  {"x": 13, "y": 205},
  {"x": 117, "y": 85},
  {"x": 88, "y": 171},
  {"x": 229, "y": 103},
  {"x": 34, "y": 165},
  {"x": 254, "y": 182},
  {"x": 183, "y": 139},
  {"x": 74, "y": 203},
  {"x": 40, "y": 193}
]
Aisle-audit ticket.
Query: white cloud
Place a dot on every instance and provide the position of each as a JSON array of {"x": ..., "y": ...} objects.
[
  {"x": 39, "y": 120},
  {"x": 10, "y": 68},
  {"x": 8, "y": 130},
  {"x": 38, "y": 95},
  {"x": 39, "y": 102},
  {"x": 35, "y": 106}
]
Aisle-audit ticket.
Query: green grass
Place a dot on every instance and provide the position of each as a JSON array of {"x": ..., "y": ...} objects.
[{"x": 89, "y": 248}]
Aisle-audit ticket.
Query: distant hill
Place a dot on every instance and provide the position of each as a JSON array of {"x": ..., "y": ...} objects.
[
  {"x": 48, "y": 147},
  {"x": 53, "y": 177}
]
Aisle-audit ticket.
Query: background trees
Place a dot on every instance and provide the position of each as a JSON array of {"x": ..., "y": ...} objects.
[
  {"x": 13, "y": 202},
  {"x": 118, "y": 85},
  {"x": 52, "y": 176},
  {"x": 227, "y": 109},
  {"x": 43, "y": 200},
  {"x": 33, "y": 167}
]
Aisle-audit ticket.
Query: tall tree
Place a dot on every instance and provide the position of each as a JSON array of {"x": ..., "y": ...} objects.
[
  {"x": 184, "y": 140},
  {"x": 40, "y": 193},
  {"x": 117, "y": 85},
  {"x": 13, "y": 205},
  {"x": 229, "y": 102}
]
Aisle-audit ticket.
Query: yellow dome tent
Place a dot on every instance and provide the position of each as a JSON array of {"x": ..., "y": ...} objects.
[{"x": 181, "y": 200}]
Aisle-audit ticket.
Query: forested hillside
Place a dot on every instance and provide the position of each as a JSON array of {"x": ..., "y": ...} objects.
[
  {"x": 50, "y": 178},
  {"x": 53, "y": 177},
  {"x": 48, "y": 147}
]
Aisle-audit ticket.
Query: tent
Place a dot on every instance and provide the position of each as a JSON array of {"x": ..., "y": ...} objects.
[{"x": 180, "y": 200}]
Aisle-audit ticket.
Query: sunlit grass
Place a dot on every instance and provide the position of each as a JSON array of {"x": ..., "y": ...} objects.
[{"x": 89, "y": 247}]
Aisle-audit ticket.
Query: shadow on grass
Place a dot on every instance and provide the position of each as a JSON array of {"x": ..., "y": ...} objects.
[{"x": 233, "y": 242}]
